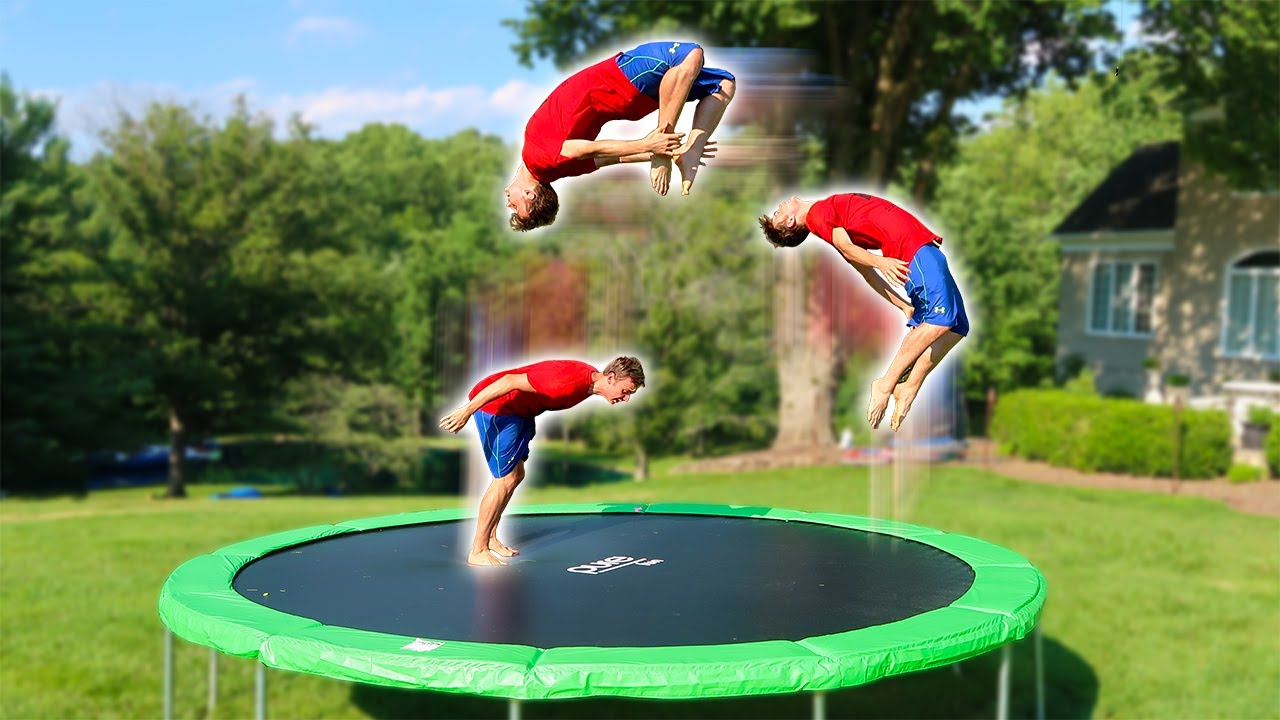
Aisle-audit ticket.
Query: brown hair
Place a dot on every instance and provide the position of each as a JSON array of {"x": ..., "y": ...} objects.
[
  {"x": 781, "y": 235},
  {"x": 542, "y": 209},
  {"x": 626, "y": 367}
]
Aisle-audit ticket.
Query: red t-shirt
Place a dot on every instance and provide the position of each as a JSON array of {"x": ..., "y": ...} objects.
[
  {"x": 576, "y": 110},
  {"x": 872, "y": 223},
  {"x": 559, "y": 385}
]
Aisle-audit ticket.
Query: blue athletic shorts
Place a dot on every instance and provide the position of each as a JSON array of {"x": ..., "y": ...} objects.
[
  {"x": 933, "y": 292},
  {"x": 645, "y": 66},
  {"x": 505, "y": 439}
]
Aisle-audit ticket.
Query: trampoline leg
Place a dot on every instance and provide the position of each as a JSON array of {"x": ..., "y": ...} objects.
[
  {"x": 513, "y": 710},
  {"x": 1039, "y": 641},
  {"x": 213, "y": 681},
  {"x": 168, "y": 674},
  {"x": 1002, "y": 697},
  {"x": 260, "y": 693},
  {"x": 819, "y": 706}
]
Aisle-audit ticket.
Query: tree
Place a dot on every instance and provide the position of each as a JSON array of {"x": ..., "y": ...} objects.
[
  {"x": 221, "y": 264},
  {"x": 1010, "y": 186},
  {"x": 65, "y": 387},
  {"x": 901, "y": 68},
  {"x": 1225, "y": 56},
  {"x": 424, "y": 209},
  {"x": 682, "y": 289}
]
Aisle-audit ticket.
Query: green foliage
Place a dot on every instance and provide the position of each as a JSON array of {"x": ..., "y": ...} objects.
[
  {"x": 331, "y": 407},
  {"x": 1262, "y": 415},
  {"x": 1245, "y": 473},
  {"x": 1007, "y": 190},
  {"x": 1111, "y": 435},
  {"x": 695, "y": 276},
  {"x": 351, "y": 464},
  {"x": 66, "y": 388},
  {"x": 1084, "y": 383},
  {"x": 425, "y": 211},
  {"x": 1271, "y": 450},
  {"x": 222, "y": 263},
  {"x": 1226, "y": 58},
  {"x": 904, "y": 64}
]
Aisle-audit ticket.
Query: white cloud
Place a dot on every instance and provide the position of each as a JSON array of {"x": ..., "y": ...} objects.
[
  {"x": 332, "y": 28},
  {"x": 335, "y": 111}
]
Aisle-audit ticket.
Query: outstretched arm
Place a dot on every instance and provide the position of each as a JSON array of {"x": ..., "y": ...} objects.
[
  {"x": 655, "y": 142},
  {"x": 866, "y": 264},
  {"x": 456, "y": 420},
  {"x": 638, "y": 157}
]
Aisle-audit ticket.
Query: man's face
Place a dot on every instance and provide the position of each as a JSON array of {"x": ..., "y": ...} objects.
[
  {"x": 785, "y": 215},
  {"x": 519, "y": 196},
  {"x": 617, "y": 390}
]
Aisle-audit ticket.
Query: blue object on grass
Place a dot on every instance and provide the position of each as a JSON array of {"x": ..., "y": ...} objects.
[{"x": 240, "y": 493}]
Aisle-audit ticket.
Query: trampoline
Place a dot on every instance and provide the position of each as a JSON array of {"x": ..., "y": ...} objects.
[{"x": 646, "y": 601}]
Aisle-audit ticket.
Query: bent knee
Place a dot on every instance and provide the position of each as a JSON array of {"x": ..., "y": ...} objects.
[
  {"x": 693, "y": 61},
  {"x": 727, "y": 88}
]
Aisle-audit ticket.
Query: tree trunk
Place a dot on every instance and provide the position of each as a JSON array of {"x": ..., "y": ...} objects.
[
  {"x": 642, "y": 463},
  {"x": 177, "y": 454},
  {"x": 806, "y": 357}
]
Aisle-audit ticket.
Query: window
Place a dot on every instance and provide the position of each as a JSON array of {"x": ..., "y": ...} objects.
[
  {"x": 1252, "y": 325},
  {"x": 1121, "y": 299}
]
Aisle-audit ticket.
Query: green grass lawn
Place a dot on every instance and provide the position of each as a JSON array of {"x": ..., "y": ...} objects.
[{"x": 1158, "y": 607}]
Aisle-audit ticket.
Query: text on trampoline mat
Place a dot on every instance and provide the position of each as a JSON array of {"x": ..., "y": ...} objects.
[{"x": 613, "y": 563}]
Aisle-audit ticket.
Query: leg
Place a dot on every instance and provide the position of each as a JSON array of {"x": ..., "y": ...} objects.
[
  {"x": 905, "y": 393},
  {"x": 706, "y": 117},
  {"x": 496, "y": 546},
  {"x": 673, "y": 92},
  {"x": 494, "y": 501},
  {"x": 918, "y": 339}
]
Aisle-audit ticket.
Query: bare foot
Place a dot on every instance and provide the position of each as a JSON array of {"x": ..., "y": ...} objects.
[
  {"x": 879, "y": 401},
  {"x": 483, "y": 558},
  {"x": 660, "y": 173},
  {"x": 903, "y": 396},
  {"x": 496, "y": 546},
  {"x": 688, "y": 163}
]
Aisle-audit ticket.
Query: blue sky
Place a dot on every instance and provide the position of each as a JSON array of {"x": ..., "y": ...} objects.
[{"x": 436, "y": 66}]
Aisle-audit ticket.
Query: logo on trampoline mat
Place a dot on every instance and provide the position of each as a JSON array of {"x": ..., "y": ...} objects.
[
  {"x": 609, "y": 564},
  {"x": 421, "y": 645}
]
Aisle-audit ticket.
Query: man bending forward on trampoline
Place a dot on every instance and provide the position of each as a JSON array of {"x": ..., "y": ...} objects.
[
  {"x": 855, "y": 223},
  {"x": 560, "y": 139},
  {"x": 505, "y": 404}
]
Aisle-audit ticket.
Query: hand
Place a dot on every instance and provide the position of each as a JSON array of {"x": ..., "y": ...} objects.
[
  {"x": 456, "y": 420},
  {"x": 894, "y": 269},
  {"x": 662, "y": 143}
]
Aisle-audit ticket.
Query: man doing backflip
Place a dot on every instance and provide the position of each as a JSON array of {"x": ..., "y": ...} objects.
[
  {"x": 560, "y": 138},
  {"x": 856, "y": 222},
  {"x": 505, "y": 404}
]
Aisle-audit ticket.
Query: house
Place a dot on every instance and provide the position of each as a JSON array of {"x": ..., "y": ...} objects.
[{"x": 1165, "y": 261}]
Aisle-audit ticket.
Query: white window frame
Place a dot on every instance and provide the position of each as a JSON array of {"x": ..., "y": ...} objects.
[
  {"x": 1250, "y": 351},
  {"x": 1133, "y": 309}
]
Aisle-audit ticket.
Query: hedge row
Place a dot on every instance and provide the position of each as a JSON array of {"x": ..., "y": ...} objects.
[
  {"x": 1094, "y": 434},
  {"x": 1271, "y": 447}
]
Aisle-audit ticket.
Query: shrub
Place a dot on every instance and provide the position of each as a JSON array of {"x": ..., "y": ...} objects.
[
  {"x": 1271, "y": 449},
  {"x": 1261, "y": 415},
  {"x": 1093, "y": 434},
  {"x": 1244, "y": 473}
]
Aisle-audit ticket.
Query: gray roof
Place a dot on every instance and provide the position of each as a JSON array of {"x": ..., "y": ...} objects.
[{"x": 1141, "y": 193}]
